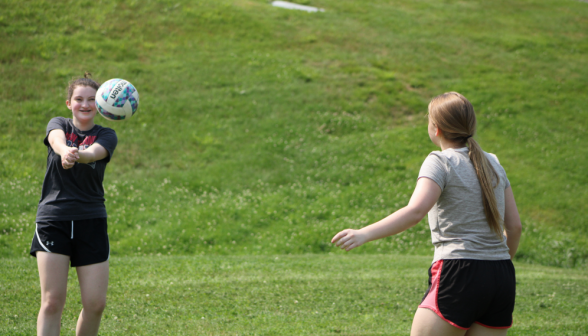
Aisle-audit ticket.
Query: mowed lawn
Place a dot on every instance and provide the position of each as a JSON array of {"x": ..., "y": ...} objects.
[
  {"x": 262, "y": 132},
  {"x": 282, "y": 295}
]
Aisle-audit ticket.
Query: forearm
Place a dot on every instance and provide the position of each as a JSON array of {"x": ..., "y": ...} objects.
[
  {"x": 86, "y": 156},
  {"x": 92, "y": 154},
  {"x": 58, "y": 142},
  {"x": 397, "y": 222},
  {"x": 512, "y": 222},
  {"x": 512, "y": 241},
  {"x": 425, "y": 195},
  {"x": 60, "y": 149}
]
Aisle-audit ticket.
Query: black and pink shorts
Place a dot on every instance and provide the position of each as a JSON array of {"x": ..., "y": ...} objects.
[{"x": 466, "y": 291}]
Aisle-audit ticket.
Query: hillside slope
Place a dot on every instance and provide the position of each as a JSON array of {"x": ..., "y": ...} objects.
[{"x": 263, "y": 130}]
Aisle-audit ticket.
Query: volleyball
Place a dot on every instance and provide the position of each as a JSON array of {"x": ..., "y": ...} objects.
[{"x": 117, "y": 99}]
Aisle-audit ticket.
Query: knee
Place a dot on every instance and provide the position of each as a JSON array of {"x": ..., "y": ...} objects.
[
  {"x": 95, "y": 306},
  {"x": 52, "y": 306}
]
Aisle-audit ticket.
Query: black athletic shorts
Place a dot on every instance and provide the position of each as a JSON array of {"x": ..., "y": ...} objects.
[
  {"x": 84, "y": 241},
  {"x": 466, "y": 291}
]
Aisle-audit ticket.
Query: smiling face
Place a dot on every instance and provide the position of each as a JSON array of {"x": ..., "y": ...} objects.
[{"x": 82, "y": 104}]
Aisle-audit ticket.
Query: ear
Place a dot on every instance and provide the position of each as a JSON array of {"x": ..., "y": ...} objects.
[
  {"x": 438, "y": 132},
  {"x": 68, "y": 104}
]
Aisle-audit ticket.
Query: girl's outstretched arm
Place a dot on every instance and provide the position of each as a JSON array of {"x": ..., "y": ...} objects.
[
  {"x": 512, "y": 222},
  {"x": 93, "y": 153},
  {"x": 57, "y": 141},
  {"x": 425, "y": 195}
]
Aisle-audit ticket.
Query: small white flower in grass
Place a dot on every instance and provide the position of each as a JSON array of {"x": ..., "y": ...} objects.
[{"x": 147, "y": 295}]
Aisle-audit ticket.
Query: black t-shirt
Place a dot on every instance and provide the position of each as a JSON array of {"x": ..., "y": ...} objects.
[{"x": 76, "y": 193}]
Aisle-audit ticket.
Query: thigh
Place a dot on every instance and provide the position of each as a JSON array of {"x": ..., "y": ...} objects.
[
  {"x": 479, "y": 330},
  {"x": 93, "y": 283},
  {"x": 426, "y": 322},
  {"x": 53, "y": 270}
]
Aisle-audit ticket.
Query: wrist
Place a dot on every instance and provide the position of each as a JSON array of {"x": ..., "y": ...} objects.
[{"x": 364, "y": 234}]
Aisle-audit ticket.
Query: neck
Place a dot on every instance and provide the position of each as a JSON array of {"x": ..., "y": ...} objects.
[
  {"x": 446, "y": 144},
  {"x": 83, "y": 126}
]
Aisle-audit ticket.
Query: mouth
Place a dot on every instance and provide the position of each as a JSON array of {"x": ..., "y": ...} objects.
[{"x": 85, "y": 111}]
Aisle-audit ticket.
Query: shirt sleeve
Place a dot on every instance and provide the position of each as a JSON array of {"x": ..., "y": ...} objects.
[
  {"x": 435, "y": 169},
  {"x": 501, "y": 172},
  {"x": 55, "y": 123},
  {"x": 506, "y": 181},
  {"x": 108, "y": 139}
]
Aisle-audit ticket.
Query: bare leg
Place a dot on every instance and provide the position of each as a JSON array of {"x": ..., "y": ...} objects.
[
  {"x": 93, "y": 284},
  {"x": 478, "y": 330},
  {"x": 53, "y": 269},
  {"x": 426, "y": 323}
]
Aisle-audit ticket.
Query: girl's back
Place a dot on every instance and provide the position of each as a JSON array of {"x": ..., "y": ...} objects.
[{"x": 459, "y": 228}]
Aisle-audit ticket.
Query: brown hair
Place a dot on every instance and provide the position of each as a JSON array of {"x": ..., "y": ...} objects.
[
  {"x": 454, "y": 115},
  {"x": 85, "y": 81}
]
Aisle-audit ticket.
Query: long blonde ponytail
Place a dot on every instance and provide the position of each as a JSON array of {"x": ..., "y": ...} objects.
[{"x": 454, "y": 115}]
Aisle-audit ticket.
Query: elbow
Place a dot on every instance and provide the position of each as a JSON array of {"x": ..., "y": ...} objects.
[
  {"x": 514, "y": 228},
  {"x": 416, "y": 214}
]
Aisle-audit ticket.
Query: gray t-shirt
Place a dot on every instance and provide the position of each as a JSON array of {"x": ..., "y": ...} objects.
[
  {"x": 76, "y": 193},
  {"x": 459, "y": 228}
]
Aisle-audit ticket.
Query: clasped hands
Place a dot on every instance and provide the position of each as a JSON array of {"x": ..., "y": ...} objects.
[{"x": 68, "y": 160}]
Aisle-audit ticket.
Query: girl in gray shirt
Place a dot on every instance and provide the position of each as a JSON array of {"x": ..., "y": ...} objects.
[{"x": 475, "y": 228}]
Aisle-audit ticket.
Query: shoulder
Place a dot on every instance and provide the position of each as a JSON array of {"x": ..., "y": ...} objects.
[
  {"x": 436, "y": 168},
  {"x": 59, "y": 121},
  {"x": 492, "y": 157},
  {"x": 101, "y": 130},
  {"x": 106, "y": 137},
  {"x": 436, "y": 159},
  {"x": 436, "y": 154}
]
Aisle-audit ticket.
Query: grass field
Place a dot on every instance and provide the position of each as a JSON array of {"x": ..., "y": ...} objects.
[
  {"x": 265, "y": 131},
  {"x": 262, "y": 132},
  {"x": 282, "y": 295}
]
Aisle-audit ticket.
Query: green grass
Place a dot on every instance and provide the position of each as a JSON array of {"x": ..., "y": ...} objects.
[
  {"x": 274, "y": 129},
  {"x": 311, "y": 294},
  {"x": 263, "y": 131}
]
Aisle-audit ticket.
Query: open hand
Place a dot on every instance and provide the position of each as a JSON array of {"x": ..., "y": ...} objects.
[{"x": 349, "y": 239}]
